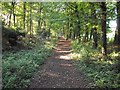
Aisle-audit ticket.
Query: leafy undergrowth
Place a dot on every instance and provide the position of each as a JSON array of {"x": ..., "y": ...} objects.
[
  {"x": 103, "y": 71},
  {"x": 19, "y": 67}
]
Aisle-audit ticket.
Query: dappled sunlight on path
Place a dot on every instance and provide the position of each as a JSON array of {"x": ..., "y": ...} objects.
[
  {"x": 59, "y": 71},
  {"x": 63, "y": 49}
]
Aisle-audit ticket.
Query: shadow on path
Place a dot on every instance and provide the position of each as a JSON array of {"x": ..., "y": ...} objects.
[{"x": 58, "y": 71}]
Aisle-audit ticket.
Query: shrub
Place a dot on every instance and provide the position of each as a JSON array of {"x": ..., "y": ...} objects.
[
  {"x": 101, "y": 70},
  {"x": 19, "y": 67}
]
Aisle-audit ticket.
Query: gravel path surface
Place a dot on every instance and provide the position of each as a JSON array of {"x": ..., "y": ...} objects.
[{"x": 58, "y": 71}]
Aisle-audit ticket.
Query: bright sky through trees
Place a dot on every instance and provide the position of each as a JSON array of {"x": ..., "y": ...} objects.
[{"x": 113, "y": 26}]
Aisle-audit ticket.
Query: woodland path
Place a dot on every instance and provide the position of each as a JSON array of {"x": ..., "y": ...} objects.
[{"x": 59, "y": 71}]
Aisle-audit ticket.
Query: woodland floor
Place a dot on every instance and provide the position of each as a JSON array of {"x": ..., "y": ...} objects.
[{"x": 59, "y": 70}]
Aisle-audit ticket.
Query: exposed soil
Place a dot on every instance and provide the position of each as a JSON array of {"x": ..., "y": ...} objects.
[{"x": 59, "y": 71}]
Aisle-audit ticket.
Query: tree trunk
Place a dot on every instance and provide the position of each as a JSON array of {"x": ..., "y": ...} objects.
[
  {"x": 78, "y": 22},
  {"x": 95, "y": 44},
  {"x": 91, "y": 34},
  {"x": 117, "y": 34},
  {"x": 24, "y": 14},
  {"x": 86, "y": 36},
  {"x": 9, "y": 20},
  {"x": 39, "y": 11},
  {"x": 103, "y": 26},
  {"x": 94, "y": 29},
  {"x": 13, "y": 9},
  {"x": 30, "y": 18},
  {"x": 49, "y": 32}
]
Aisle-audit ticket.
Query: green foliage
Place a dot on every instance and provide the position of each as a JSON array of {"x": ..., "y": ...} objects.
[
  {"x": 58, "y": 16},
  {"x": 19, "y": 67},
  {"x": 84, "y": 50},
  {"x": 101, "y": 70}
]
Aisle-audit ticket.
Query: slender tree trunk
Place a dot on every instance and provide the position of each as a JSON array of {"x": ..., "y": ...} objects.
[
  {"x": 74, "y": 35},
  {"x": 116, "y": 37},
  {"x": 39, "y": 11},
  {"x": 91, "y": 34},
  {"x": 24, "y": 14},
  {"x": 49, "y": 32},
  {"x": 118, "y": 23},
  {"x": 13, "y": 9},
  {"x": 68, "y": 27},
  {"x": 9, "y": 20},
  {"x": 92, "y": 12},
  {"x": 95, "y": 44},
  {"x": 70, "y": 36},
  {"x": 94, "y": 29},
  {"x": 86, "y": 36},
  {"x": 103, "y": 26},
  {"x": 78, "y": 22},
  {"x": 30, "y": 18}
]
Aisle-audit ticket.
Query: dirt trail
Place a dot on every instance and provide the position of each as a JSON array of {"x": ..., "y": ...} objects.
[{"x": 58, "y": 71}]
